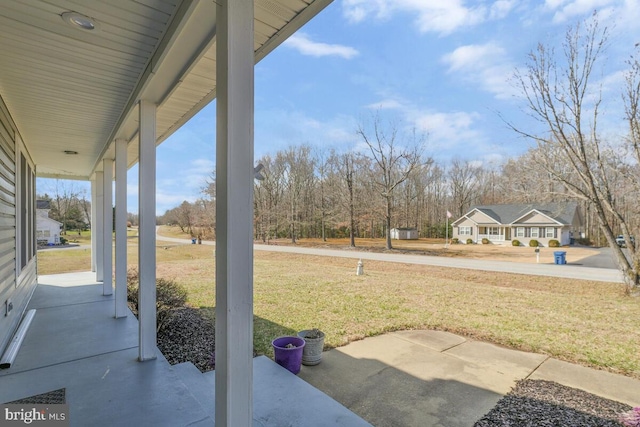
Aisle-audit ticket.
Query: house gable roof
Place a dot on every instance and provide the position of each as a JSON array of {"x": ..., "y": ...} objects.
[
  {"x": 533, "y": 212},
  {"x": 43, "y": 204},
  {"x": 560, "y": 212},
  {"x": 46, "y": 219},
  {"x": 477, "y": 216}
]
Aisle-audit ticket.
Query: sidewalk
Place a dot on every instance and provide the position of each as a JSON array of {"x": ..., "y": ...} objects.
[{"x": 433, "y": 378}]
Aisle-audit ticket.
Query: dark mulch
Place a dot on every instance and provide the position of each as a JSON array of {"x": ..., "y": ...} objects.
[
  {"x": 187, "y": 337},
  {"x": 55, "y": 397},
  {"x": 537, "y": 403}
]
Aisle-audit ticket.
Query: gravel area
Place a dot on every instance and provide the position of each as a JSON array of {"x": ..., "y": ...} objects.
[
  {"x": 187, "y": 337},
  {"x": 537, "y": 403}
]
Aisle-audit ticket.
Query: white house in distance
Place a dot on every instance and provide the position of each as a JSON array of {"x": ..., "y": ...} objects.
[
  {"x": 523, "y": 222},
  {"x": 47, "y": 229}
]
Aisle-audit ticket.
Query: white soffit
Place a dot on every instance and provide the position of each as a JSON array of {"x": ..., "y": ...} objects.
[{"x": 76, "y": 90}]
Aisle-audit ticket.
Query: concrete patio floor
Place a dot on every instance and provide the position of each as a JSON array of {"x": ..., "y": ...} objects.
[
  {"x": 75, "y": 343},
  {"x": 438, "y": 379}
]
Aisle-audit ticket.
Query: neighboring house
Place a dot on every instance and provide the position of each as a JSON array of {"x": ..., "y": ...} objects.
[
  {"x": 404, "y": 233},
  {"x": 523, "y": 222},
  {"x": 47, "y": 229}
]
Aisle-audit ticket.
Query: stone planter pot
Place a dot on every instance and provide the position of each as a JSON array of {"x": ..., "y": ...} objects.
[{"x": 312, "y": 352}]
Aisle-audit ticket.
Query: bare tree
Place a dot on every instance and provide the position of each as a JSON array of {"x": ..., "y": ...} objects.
[
  {"x": 463, "y": 178},
  {"x": 185, "y": 215},
  {"x": 560, "y": 93},
  {"x": 347, "y": 172},
  {"x": 298, "y": 181},
  {"x": 394, "y": 163}
]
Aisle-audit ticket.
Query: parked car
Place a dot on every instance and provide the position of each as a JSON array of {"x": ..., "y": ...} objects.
[{"x": 620, "y": 241}]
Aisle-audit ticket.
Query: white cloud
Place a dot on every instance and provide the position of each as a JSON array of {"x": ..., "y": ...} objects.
[
  {"x": 570, "y": 9},
  {"x": 303, "y": 44},
  {"x": 276, "y": 129},
  {"x": 486, "y": 65},
  {"x": 438, "y": 16},
  {"x": 473, "y": 55},
  {"x": 385, "y": 104},
  {"x": 132, "y": 189},
  {"x": 501, "y": 8},
  {"x": 443, "y": 130},
  {"x": 448, "y": 129},
  {"x": 203, "y": 166}
]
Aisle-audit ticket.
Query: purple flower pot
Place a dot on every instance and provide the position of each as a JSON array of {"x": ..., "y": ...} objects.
[{"x": 288, "y": 358}]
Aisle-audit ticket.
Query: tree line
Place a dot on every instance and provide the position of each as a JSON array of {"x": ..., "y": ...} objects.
[
  {"x": 310, "y": 192},
  {"x": 305, "y": 192}
]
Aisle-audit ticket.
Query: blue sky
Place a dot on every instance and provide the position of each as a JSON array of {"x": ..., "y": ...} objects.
[{"x": 441, "y": 67}]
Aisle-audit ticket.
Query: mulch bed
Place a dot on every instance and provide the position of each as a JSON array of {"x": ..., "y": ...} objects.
[
  {"x": 537, "y": 403},
  {"x": 187, "y": 337}
]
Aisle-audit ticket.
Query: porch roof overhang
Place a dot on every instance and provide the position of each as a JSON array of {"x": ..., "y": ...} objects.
[{"x": 72, "y": 91}]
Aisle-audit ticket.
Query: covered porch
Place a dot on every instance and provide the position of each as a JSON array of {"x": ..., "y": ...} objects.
[
  {"x": 88, "y": 90},
  {"x": 74, "y": 344},
  {"x": 495, "y": 234}
]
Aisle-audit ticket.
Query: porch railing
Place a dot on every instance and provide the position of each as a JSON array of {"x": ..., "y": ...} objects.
[{"x": 492, "y": 237}]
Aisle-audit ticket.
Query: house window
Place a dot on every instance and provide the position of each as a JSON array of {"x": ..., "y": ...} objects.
[
  {"x": 519, "y": 231},
  {"x": 493, "y": 231},
  {"x": 26, "y": 213},
  {"x": 550, "y": 232},
  {"x": 464, "y": 231},
  {"x": 535, "y": 232}
]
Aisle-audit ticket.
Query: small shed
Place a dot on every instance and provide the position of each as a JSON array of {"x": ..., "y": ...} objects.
[{"x": 404, "y": 233}]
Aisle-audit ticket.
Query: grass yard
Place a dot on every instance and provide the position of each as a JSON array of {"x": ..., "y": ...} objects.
[{"x": 590, "y": 323}]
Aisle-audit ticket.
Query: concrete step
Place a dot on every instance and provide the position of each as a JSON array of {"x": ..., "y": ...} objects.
[
  {"x": 279, "y": 397},
  {"x": 201, "y": 386}
]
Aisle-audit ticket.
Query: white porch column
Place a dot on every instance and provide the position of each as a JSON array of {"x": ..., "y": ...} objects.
[
  {"x": 94, "y": 205},
  {"x": 121, "y": 228},
  {"x": 147, "y": 231},
  {"x": 97, "y": 227},
  {"x": 234, "y": 214},
  {"x": 107, "y": 228}
]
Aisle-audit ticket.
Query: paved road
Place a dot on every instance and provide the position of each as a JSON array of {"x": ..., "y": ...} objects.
[{"x": 569, "y": 271}]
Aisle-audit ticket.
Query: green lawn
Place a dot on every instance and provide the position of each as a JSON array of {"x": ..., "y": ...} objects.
[{"x": 590, "y": 323}]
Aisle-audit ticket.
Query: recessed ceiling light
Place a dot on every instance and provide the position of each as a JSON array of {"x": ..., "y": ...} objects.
[
  {"x": 79, "y": 20},
  {"x": 70, "y": 152}
]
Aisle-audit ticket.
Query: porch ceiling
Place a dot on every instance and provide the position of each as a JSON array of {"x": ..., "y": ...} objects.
[{"x": 69, "y": 89}]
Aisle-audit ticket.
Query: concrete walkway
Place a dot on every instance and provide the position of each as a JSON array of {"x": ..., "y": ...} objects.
[{"x": 432, "y": 378}]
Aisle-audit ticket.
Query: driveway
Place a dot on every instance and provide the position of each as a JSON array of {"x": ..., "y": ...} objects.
[{"x": 601, "y": 258}]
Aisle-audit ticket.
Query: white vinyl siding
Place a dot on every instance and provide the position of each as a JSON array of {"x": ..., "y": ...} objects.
[
  {"x": 17, "y": 226},
  {"x": 7, "y": 210}
]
